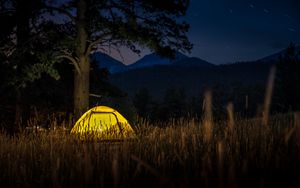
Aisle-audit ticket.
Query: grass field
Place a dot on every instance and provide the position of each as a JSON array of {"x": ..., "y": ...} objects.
[{"x": 186, "y": 153}]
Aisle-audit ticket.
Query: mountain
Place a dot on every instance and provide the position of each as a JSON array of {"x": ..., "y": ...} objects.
[
  {"x": 194, "y": 75},
  {"x": 276, "y": 56},
  {"x": 154, "y": 60},
  {"x": 193, "y": 62},
  {"x": 193, "y": 79},
  {"x": 114, "y": 66},
  {"x": 105, "y": 61}
]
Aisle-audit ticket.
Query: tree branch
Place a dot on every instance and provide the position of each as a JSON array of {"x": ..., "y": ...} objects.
[
  {"x": 73, "y": 61},
  {"x": 97, "y": 41},
  {"x": 95, "y": 95}
]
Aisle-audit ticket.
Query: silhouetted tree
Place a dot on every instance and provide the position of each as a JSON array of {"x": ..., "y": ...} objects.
[
  {"x": 287, "y": 83},
  {"x": 194, "y": 107},
  {"x": 23, "y": 46},
  {"x": 175, "y": 103},
  {"x": 142, "y": 102},
  {"x": 95, "y": 24}
]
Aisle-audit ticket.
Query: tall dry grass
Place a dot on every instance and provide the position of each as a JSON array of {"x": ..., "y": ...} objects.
[
  {"x": 268, "y": 96},
  {"x": 239, "y": 154}
]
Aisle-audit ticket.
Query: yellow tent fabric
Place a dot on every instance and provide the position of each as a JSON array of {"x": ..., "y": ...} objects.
[{"x": 102, "y": 123}]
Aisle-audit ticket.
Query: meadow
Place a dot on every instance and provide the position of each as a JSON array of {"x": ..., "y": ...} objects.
[
  {"x": 185, "y": 153},
  {"x": 262, "y": 151}
]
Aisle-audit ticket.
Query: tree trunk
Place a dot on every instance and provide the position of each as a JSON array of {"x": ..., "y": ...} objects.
[
  {"x": 22, "y": 35},
  {"x": 81, "y": 88},
  {"x": 82, "y": 78}
]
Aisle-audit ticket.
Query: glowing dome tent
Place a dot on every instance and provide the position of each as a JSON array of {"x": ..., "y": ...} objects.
[{"x": 102, "y": 123}]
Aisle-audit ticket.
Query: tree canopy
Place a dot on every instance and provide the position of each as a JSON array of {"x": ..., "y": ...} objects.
[
  {"x": 101, "y": 25},
  {"x": 39, "y": 33}
]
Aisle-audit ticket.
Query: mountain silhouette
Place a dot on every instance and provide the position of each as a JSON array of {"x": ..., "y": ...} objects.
[
  {"x": 114, "y": 66},
  {"x": 154, "y": 60},
  {"x": 193, "y": 62},
  {"x": 276, "y": 56},
  {"x": 193, "y": 79},
  {"x": 194, "y": 75},
  {"x": 105, "y": 61}
]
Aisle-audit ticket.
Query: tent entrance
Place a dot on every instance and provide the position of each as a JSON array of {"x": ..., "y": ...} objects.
[{"x": 105, "y": 121}]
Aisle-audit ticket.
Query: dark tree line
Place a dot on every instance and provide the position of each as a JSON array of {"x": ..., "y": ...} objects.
[
  {"x": 176, "y": 104},
  {"x": 247, "y": 99},
  {"x": 287, "y": 82},
  {"x": 25, "y": 43}
]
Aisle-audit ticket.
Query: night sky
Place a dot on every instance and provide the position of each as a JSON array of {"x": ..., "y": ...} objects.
[{"x": 225, "y": 31}]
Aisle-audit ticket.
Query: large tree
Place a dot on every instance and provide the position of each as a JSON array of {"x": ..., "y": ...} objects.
[{"x": 96, "y": 24}]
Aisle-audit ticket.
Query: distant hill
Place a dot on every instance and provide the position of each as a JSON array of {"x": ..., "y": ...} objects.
[
  {"x": 276, "y": 56},
  {"x": 193, "y": 62},
  {"x": 193, "y": 79},
  {"x": 192, "y": 74},
  {"x": 105, "y": 61},
  {"x": 154, "y": 60},
  {"x": 114, "y": 66}
]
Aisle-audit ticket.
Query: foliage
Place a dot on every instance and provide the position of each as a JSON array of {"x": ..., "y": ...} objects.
[
  {"x": 25, "y": 42},
  {"x": 143, "y": 22}
]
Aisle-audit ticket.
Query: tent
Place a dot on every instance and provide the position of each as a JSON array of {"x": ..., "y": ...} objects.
[{"x": 102, "y": 123}]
